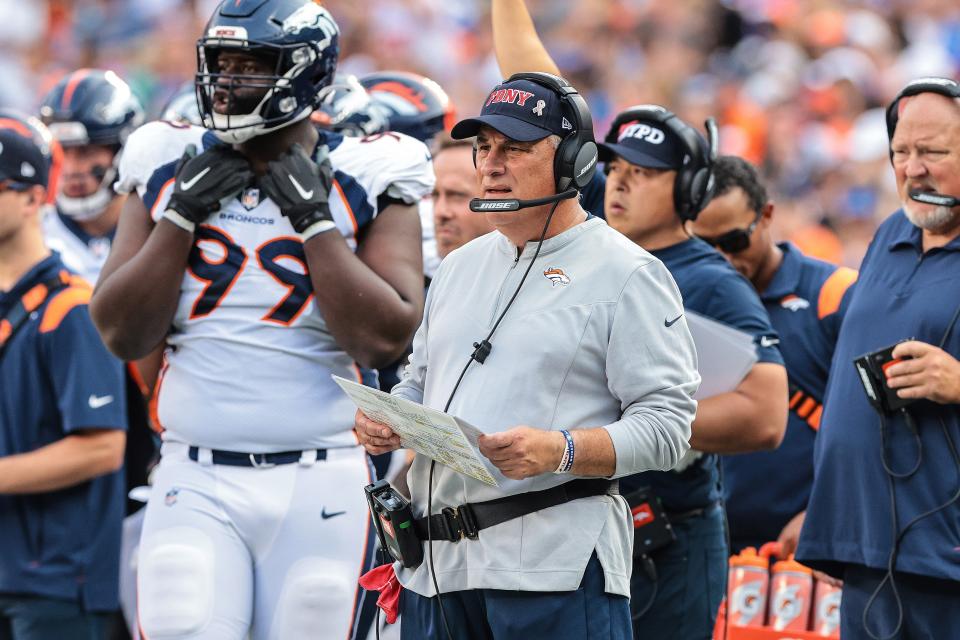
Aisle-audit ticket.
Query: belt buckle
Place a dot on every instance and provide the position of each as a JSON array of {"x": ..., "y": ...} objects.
[
  {"x": 468, "y": 523},
  {"x": 459, "y": 523},
  {"x": 262, "y": 463},
  {"x": 452, "y": 524}
]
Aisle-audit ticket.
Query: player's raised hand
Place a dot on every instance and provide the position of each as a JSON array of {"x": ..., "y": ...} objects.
[
  {"x": 375, "y": 437},
  {"x": 204, "y": 182},
  {"x": 301, "y": 187}
]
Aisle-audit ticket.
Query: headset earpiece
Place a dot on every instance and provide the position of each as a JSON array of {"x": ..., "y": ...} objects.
[
  {"x": 693, "y": 186},
  {"x": 944, "y": 86},
  {"x": 576, "y": 157}
]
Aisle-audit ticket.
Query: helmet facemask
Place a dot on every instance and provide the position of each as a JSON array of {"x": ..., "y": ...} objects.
[
  {"x": 257, "y": 104},
  {"x": 92, "y": 205}
]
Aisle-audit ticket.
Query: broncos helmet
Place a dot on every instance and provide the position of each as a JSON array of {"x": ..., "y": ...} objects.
[
  {"x": 33, "y": 155},
  {"x": 346, "y": 108},
  {"x": 415, "y": 105},
  {"x": 299, "y": 37},
  {"x": 182, "y": 106},
  {"x": 91, "y": 107}
]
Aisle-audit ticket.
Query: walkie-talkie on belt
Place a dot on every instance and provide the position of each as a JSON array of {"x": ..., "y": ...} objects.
[{"x": 393, "y": 520}]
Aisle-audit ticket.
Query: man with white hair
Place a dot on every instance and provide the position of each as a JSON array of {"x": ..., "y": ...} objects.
[{"x": 884, "y": 508}]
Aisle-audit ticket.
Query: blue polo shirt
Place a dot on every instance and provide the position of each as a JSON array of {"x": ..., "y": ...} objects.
[
  {"x": 592, "y": 195},
  {"x": 57, "y": 378},
  {"x": 764, "y": 490},
  {"x": 901, "y": 293},
  {"x": 712, "y": 288}
]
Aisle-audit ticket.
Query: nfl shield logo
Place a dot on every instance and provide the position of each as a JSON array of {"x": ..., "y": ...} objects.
[{"x": 250, "y": 198}]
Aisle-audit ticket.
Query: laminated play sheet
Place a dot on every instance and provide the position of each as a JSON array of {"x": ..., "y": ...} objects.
[{"x": 435, "y": 434}]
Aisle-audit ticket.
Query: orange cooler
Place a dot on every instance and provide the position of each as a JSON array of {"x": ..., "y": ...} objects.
[
  {"x": 791, "y": 591},
  {"x": 749, "y": 580},
  {"x": 826, "y": 610}
]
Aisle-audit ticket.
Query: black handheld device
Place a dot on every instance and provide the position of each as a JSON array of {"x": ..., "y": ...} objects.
[
  {"x": 393, "y": 520},
  {"x": 651, "y": 528},
  {"x": 871, "y": 368}
]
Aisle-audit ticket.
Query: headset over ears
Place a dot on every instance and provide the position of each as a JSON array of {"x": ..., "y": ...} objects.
[
  {"x": 943, "y": 86},
  {"x": 693, "y": 187},
  {"x": 576, "y": 158}
]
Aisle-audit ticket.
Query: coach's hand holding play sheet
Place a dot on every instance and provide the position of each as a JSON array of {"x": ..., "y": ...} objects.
[{"x": 437, "y": 435}]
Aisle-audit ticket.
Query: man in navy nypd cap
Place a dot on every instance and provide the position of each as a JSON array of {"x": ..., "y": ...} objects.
[
  {"x": 658, "y": 179},
  {"x": 574, "y": 381}
]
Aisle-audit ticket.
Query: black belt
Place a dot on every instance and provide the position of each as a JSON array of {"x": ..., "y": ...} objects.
[
  {"x": 466, "y": 521},
  {"x": 681, "y": 516},
  {"x": 259, "y": 460}
]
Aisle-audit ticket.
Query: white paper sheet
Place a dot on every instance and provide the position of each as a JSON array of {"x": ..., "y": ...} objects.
[
  {"x": 724, "y": 354},
  {"x": 435, "y": 434}
]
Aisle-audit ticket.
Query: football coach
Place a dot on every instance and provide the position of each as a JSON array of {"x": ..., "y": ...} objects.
[{"x": 548, "y": 334}]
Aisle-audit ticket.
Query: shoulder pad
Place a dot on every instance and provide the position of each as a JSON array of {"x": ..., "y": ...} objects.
[
  {"x": 151, "y": 146},
  {"x": 389, "y": 163}
]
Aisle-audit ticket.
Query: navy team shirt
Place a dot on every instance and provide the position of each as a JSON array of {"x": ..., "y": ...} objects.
[
  {"x": 711, "y": 287},
  {"x": 57, "y": 377},
  {"x": 901, "y": 293},
  {"x": 592, "y": 196},
  {"x": 764, "y": 490}
]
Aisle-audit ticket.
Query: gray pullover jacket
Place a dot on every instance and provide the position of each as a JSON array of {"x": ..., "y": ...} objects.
[{"x": 585, "y": 344}]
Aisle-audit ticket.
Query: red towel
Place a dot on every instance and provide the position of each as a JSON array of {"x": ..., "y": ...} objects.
[{"x": 384, "y": 580}]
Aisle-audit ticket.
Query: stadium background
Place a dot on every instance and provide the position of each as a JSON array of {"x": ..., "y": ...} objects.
[{"x": 797, "y": 85}]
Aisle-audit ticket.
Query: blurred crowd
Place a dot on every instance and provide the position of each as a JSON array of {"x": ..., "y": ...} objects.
[{"x": 797, "y": 85}]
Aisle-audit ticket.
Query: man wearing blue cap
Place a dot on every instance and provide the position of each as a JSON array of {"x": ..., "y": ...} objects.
[
  {"x": 574, "y": 381},
  {"x": 658, "y": 178},
  {"x": 62, "y": 421}
]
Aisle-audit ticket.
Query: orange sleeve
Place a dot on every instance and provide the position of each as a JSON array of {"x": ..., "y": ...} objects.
[
  {"x": 61, "y": 304},
  {"x": 831, "y": 293}
]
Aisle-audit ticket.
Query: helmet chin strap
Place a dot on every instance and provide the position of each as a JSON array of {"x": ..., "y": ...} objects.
[
  {"x": 89, "y": 207},
  {"x": 243, "y": 132}
]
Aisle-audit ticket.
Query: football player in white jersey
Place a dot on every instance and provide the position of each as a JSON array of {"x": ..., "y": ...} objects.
[
  {"x": 268, "y": 255},
  {"x": 91, "y": 113}
]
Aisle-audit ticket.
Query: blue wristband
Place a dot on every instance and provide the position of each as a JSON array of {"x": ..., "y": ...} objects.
[{"x": 566, "y": 462}]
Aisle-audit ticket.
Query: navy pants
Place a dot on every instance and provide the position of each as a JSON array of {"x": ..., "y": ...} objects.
[
  {"x": 691, "y": 575},
  {"x": 34, "y": 618},
  {"x": 492, "y": 614},
  {"x": 931, "y": 606}
]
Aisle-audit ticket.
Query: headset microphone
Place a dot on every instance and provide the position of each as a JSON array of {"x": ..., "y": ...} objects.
[
  {"x": 937, "y": 199},
  {"x": 478, "y": 205}
]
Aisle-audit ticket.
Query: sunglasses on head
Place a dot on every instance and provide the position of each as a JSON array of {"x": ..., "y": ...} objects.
[{"x": 733, "y": 241}]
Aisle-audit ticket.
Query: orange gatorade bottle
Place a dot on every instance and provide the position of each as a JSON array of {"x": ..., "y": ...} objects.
[
  {"x": 826, "y": 610},
  {"x": 749, "y": 578},
  {"x": 791, "y": 589}
]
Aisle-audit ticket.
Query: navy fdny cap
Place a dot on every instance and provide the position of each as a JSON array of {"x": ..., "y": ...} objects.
[
  {"x": 521, "y": 110},
  {"x": 645, "y": 144},
  {"x": 22, "y": 158}
]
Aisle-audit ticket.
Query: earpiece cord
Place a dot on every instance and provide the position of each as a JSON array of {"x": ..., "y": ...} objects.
[
  {"x": 433, "y": 463},
  {"x": 898, "y": 534},
  {"x": 953, "y": 322}
]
